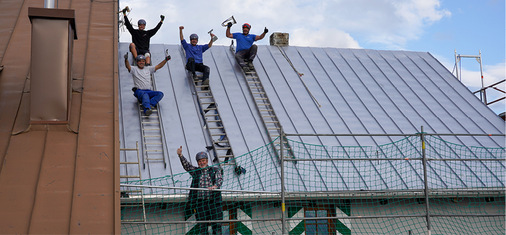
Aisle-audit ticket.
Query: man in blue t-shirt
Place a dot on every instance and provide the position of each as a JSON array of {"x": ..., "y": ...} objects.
[
  {"x": 245, "y": 51},
  {"x": 194, "y": 60}
]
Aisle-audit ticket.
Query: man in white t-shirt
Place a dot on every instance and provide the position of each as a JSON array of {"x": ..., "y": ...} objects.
[{"x": 142, "y": 82}]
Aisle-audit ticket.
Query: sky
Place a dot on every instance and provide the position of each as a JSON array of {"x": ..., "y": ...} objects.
[{"x": 439, "y": 27}]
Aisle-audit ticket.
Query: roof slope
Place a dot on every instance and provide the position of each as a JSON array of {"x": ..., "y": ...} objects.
[
  {"x": 52, "y": 180},
  {"x": 360, "y": 91}
]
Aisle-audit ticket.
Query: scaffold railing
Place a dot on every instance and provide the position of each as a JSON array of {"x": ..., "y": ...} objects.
[{"x": 419, "y": 184}]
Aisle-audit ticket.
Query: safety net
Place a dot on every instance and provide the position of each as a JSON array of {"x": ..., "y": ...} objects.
[{"x": 408, "y": 186}]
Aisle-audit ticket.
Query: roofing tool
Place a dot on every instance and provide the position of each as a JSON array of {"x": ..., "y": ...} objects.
[
  {"x": 230, "y": 19},
  {"x": 214, "y": 36},
  {"x": 126, "y": 8}
]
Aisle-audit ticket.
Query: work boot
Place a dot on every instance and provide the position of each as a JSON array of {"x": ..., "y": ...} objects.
[
  {"x": 205, "y": 84},
  {"x": 148, "y": 112},
  {"x": 245, "y": 67},
  {"x": 250, "y": 65}
]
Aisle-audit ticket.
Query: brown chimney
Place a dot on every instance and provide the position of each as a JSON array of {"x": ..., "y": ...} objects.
[{"x": 53, "y": 35}]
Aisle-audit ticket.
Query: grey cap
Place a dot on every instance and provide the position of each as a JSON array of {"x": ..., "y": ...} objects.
[
  {"x": 140, "y": 57},
  {"x": 201, "y": 155},
  {"x": 194, "y": 36}
]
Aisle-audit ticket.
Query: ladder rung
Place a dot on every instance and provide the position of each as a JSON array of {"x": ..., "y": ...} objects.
[
  {"x": 150, "y": 122},
  {"x": 129, "y": 163},
  {"x": 224, "y": 148},
  {"x": 266, "y": 110},
  {"x": 227, "y": 156},
  {"x": 151, "y": 136},
  {"x": 154, "y": 159},
  {"x": 258, "y": 93}
]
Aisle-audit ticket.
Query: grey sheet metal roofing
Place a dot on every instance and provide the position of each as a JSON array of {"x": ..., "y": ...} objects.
[{"x": 360, "y": 91}]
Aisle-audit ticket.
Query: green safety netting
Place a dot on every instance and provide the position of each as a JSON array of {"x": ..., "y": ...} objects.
[{"x": 336, "y": 190}]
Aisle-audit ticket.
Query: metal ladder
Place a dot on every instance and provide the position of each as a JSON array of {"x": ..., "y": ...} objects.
[
  {"x": 152, "y": 133},
  {"x": 208, "y": 109},
  {"x": 270, "y": 120},
  {"x": 127, "y": 193}
]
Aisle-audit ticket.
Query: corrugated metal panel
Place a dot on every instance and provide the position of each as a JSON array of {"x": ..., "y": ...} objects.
[{"x": 360, "y": 92}]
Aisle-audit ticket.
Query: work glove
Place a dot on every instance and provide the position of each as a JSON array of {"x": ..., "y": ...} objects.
[
  {"x": 229, "y": 24},
  {"x": 162, "y": 17},
  {"x": 266, "y": 30},
  {"x": 126, "y": 56},
  {"x": 167, "y": 58},
  {"x": 124, "y": 11}
]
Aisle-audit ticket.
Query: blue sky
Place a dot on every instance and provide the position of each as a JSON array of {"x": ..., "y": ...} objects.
[{"x": 436, "y": 26}]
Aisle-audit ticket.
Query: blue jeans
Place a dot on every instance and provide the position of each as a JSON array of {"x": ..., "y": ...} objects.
[{"x": 148, "y": 97}]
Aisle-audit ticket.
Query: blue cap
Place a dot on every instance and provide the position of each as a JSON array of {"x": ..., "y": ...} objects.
[
  {"x": 194, "y": 36},
  {"x": 141, "y": 21}
]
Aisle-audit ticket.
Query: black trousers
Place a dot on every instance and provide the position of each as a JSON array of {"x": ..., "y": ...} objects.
[
  {"x": 208, "y": 210},
  {"x": 246, "y": 55},
  {"x": 192, "y": 67}
]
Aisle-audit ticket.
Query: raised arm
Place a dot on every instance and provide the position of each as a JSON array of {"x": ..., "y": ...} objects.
[
  {"x": 181, "y": 33},
  {"x": 161, "y": 64},
  {"x": 128, "y": 24},
  {"x": 228, "y": 34},
  {"x": 261, "y": 36},
  {"x": 186, "y": 165},
  {"x": 210, "y": 44},
  {"x": 127, "y": 65}
]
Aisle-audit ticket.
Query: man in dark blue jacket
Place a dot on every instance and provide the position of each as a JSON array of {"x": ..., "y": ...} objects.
[{"x": 194, "y": 60}]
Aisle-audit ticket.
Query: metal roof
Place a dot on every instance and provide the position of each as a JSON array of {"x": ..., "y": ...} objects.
[
  {"x": 360, "y": 91},
  {"x": 54, "y": 180}
]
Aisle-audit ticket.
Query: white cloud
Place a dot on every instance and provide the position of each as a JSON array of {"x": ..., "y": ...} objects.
[
  {"x": 322, "y": 38},
  {"x": 391, "y": 23}
]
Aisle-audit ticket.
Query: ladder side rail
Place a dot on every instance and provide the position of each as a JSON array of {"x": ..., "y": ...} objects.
[
  {"x": 143, "y": 204},
  {"x": 198, "y": 97},
  {"x": 162, "y": 131},
  {"x": 267, "y": 100}
]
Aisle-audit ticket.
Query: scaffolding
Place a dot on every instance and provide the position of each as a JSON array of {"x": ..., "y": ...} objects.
[
  {"x": 483, "y": 90},
  {"x": 466, "y": 204}
]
